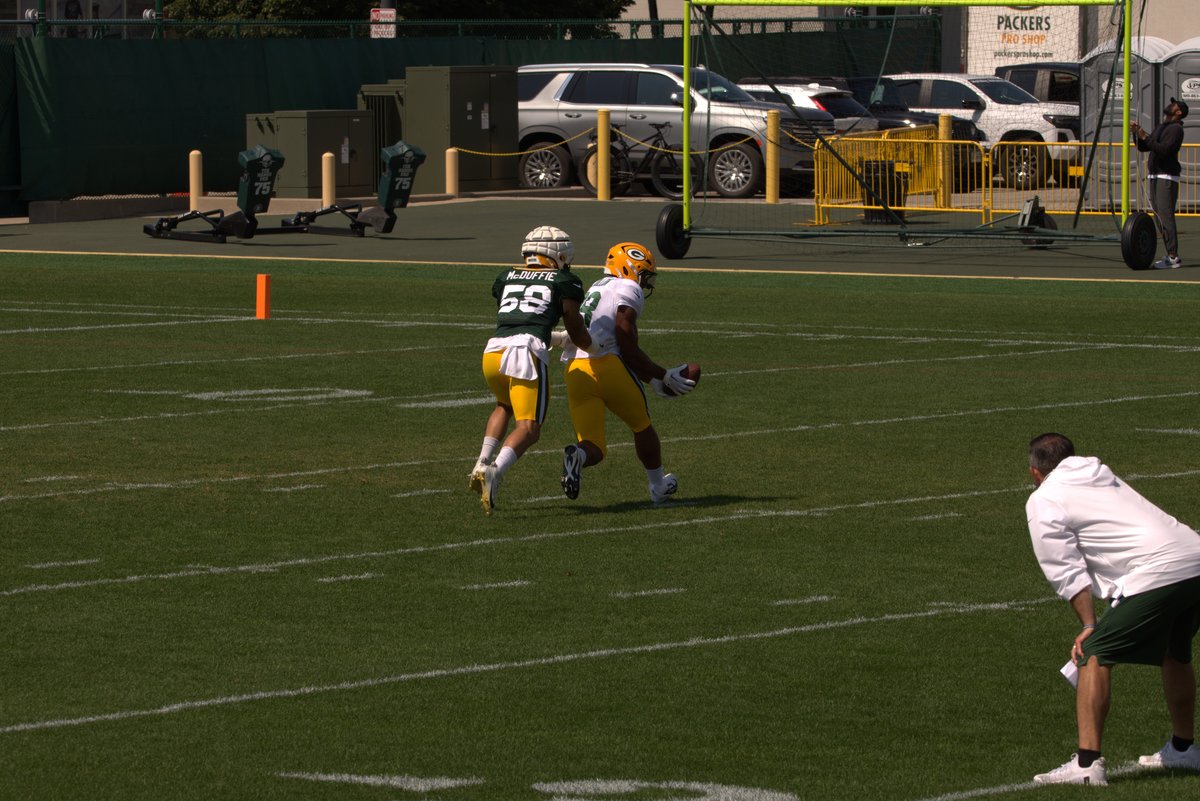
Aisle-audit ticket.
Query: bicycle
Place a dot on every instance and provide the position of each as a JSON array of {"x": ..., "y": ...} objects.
[{"x": 659, "y": 168}]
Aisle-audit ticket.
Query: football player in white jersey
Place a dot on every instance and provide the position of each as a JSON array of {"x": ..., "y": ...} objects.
[
  {"x": 529, "y": 302},
  {"x": 611, "y": 376}
]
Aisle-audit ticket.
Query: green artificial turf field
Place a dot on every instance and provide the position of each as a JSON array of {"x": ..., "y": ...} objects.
[{"x": 241, "y": 561}]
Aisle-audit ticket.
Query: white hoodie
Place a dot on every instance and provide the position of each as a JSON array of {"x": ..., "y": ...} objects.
[{"x": 1091, "y": 529}]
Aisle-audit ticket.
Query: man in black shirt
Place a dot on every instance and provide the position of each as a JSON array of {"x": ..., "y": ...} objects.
[{"x": 1162, "y": 166}]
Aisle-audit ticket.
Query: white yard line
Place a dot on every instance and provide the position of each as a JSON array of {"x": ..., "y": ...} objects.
[
  {"x": 421, "y": 492},
  {"x": 474, "y": 399},
  {"x": 71, "y": 563},
  {"x": 280, "y": 357},
  {"x": 494, "y": 541},
  {"x": 498, "y": 585},
  {"x": 1002, "y": 789},
  {"x": 178, "y": 707},
  {"x": 70, "y": 328},
  {"x": 355, "y": 577},
  {"x": 416, "y": 784},
  {"x": 129, "y": 486},
  {"x": 812, "y": 599},
  {"x": 648, "y": 593}
]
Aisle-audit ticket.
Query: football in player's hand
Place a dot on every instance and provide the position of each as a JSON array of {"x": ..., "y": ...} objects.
[{"x": 690, "y": 371}]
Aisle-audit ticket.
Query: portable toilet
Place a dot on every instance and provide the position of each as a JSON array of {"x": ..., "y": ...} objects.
[
  {"x": 1181, "y": 80},
  {"x": 1102, "y": 66}
]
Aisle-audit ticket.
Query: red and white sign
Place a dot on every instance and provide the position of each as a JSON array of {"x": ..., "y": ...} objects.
[{"x": 383, "y": 23}]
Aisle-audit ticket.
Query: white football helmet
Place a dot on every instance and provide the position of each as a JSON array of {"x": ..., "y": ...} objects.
[
  {"x": 548, "y": 248},
  {"x": 631, "y": 260}
]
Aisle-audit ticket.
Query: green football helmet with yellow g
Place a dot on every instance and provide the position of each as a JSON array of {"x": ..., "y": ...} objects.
[{"x": 631, "y": 260}]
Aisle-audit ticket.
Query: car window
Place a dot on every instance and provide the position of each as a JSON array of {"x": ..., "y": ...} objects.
[
  {"x": 654, "y": 89},
  {"x": 715, "y": 87},
  {"x": 530, "y": 83},
  {"x": 1026, "y": 79},
  {"x": 599, "y": 88},
  {"x": 769, "y": 96},
  {"x": 909, "y": 92},
  {"x": 841, "y": 105},
  {"x": 949, "y": 94},
  {"x": 1064, "y": 88},
  {"x": 1004, "y": 92}
]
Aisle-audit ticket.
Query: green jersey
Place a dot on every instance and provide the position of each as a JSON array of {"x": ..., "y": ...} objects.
[{"x": 530, "y": 301}]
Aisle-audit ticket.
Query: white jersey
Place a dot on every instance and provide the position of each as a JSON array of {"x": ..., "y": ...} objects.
[
  {"x": 599, "y": 310},
  {"x": 1092, "y": 530}
]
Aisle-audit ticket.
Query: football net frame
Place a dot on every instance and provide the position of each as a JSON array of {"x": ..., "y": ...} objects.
[{"x": 679, "y": 223}]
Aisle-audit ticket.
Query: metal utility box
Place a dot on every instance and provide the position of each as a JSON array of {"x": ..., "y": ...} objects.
[
  {"x": 470, "y": 108},
  {"x": 303, "y": 137},
  {"x": 386, "y": 101}
]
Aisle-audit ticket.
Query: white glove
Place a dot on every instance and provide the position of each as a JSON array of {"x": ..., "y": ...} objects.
[
  {"x": 675, "y": 381},
  {"x": 659, "y": 388},
  {"x": 559, "y": 338}
]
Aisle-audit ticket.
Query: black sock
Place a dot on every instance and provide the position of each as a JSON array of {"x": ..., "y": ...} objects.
[
  {"x": 1086, "y": 757},
  {"x": 1180, "y": 744}
]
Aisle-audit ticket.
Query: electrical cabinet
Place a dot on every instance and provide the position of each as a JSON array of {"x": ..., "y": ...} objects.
[
  {"x": 303, "y": 137},
  {"x": 469, "y": 108}
]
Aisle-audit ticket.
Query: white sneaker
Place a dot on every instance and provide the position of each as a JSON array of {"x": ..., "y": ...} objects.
[
  {"x": 660, "y": 492},
  {"x": 1168, "y": 263},
  {"x": 476, "y": 476},
  {"x": 572, "y": 474},
  {"x": 490, "y": 488},
  {"x": 1070, "y": 773},
  {"x": 1171, "y": 759}
]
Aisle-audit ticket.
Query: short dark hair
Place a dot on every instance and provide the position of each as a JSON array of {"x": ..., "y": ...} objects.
[{"x": 1047, "y": 450}]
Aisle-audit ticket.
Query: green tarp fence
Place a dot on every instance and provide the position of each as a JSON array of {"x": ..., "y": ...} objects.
[{"x": 110, "y": 117}]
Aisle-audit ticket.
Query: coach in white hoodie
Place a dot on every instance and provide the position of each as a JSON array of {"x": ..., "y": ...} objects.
[{"x": 1093, "y": 534}]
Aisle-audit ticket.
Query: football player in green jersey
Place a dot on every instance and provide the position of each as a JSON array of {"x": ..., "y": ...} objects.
[{"x": 530, "y": 300}]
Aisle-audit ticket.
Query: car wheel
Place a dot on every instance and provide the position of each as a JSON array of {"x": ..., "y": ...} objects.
[
  {"x": 1024, "y": 165},
  {"x": 736, "y": 171},
  {"x": 545, "y": 168}
]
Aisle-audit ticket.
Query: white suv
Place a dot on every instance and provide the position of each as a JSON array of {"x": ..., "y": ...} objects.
[
  {"x": 1005, "y": 113},
  {"x": 849, "y": 115},
  {"x": 557, "y": 105}
]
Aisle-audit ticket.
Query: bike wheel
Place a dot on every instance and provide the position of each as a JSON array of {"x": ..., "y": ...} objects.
[
  {"x": 620, "y": 173},
  {"x": 666, "y": 173}
]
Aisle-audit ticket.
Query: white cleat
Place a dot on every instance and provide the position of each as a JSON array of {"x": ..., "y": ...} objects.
[
  {"x": 1070, "y": 773},
  {"x": 659, "y": 493},
  {"x": 1171, "y": 759},
  {"x": 572, "y": 473},
  {"x": 476, "y": 476},
  {"x": 491, "y": 485}
]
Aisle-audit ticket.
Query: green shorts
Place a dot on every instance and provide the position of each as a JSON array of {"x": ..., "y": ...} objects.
[{"x": 1142, "y": 629}]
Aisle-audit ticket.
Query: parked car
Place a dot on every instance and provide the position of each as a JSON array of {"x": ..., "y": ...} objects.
[
  {"x": 1005, "y": 113},
  {"x": 881, "y": 99},
  {"x": 557, "y": 105},
  {"x": 1048, "y": 81},
  {"x": 848, "y": 114}
]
